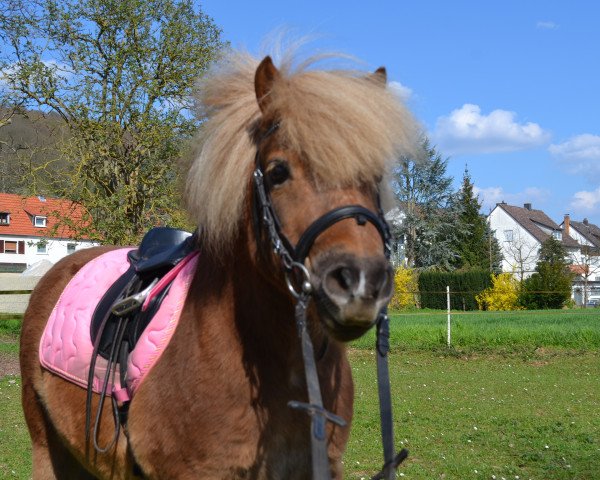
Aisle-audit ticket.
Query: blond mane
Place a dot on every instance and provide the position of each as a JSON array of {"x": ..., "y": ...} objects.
[{"x": 349, "y": 127}]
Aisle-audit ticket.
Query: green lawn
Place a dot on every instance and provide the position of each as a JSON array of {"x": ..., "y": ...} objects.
[
  {"x": 482, "y": 417},
  {"x": 483, "y": 410},
  {"x": 520, "y": 332}
]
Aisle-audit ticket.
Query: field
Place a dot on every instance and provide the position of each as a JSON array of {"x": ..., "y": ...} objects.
[{"x": 516, "y": 397}]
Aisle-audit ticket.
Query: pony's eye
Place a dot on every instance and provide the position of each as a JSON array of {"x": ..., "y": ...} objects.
[{"x": 279, "y": 173}]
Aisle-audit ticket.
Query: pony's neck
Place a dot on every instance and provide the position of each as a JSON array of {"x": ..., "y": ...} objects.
[{"x": 261, "y": 307}]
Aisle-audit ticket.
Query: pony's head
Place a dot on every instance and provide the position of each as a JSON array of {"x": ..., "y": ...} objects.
[{"x": 322, "y": 143}]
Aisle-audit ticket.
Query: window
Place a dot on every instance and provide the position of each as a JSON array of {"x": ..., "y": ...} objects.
[
  {"x": 39, "y": 221},
  {"x": 4, "y": 218},
  {"x": 508, "y": 235},
  {"x": 71, "y": 248},
  {"x": 42, "y": 247},
  {"x": 10, "y": 247},
  {"x": 557, "y": 235}
]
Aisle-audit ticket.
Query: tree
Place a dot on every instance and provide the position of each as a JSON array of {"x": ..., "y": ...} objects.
[
  {"x": 521, "y": 252},
  {"x": 550, "y": 285},
  {"x": 429, "y": 225},
  {"x": 120, "y": 77},
  {"x": 475, "y": 245}
]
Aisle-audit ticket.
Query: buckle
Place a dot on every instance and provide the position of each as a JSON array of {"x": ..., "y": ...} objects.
[{"x": 133, "y": 302}]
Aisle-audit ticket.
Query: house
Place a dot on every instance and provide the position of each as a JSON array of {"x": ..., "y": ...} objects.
[
  {"x": 586, "y": 262},
  {"x": 30, "y": 231},
  {"x": 520, "y": 231}
]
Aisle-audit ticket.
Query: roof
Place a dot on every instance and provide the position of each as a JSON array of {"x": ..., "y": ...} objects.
[
  {"x": 22, "y": 211},
  {"x": 530, "y": 219},
  {"x": 589, "y": 231}
]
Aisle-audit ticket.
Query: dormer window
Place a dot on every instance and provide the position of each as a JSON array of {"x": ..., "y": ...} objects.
[
  {"x": 4, "y": 218},
  {"x": 557, "y": 235},
  {"x": 39, "y": 221}
]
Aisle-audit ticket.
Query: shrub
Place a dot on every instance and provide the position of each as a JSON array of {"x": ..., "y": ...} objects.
[
  {"x": 405, "y": 289},
  {"x": 502, "y": 295}
]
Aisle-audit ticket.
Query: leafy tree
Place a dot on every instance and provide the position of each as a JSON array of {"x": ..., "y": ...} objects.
[
  {"x": 120, "y": 76},
  {"x": 550, "y": 285},
  {"x": 429, "y": 225},
  {"x": 476, "y": 246}
]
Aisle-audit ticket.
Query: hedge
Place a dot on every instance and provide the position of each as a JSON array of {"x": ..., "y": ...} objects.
[{"x": 464, "y": 286}]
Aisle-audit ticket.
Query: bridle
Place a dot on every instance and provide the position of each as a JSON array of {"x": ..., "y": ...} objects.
[{"x": 297, "y": 277}]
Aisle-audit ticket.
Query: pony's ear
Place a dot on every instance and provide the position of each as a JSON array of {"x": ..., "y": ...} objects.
[
  {"x": 379, "y": 76},
  {"x": 265, "y": 76}
]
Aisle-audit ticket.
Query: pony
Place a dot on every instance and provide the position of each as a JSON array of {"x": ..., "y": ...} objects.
[{"x": 215, "y": 404}]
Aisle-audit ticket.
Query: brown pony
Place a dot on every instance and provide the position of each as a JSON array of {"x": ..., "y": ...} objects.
[{"x": 215, "y": 405}]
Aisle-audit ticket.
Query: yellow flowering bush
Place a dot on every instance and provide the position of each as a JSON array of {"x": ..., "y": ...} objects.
[
  {"x": 502, "y": 295},
  {"x": 406, "y": 288}
]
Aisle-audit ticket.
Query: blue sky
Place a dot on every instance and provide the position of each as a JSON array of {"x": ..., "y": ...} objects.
[{"x": 509, "y": 88}]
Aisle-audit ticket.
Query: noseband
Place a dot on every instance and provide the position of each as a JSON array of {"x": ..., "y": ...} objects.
[{"x": 298, "y": 281}]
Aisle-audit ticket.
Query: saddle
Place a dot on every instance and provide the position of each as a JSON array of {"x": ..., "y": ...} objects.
[{"x": 132, "y": 300}]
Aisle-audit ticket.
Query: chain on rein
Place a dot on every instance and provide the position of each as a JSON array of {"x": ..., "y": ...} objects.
[{"x": 299, "y": 284}]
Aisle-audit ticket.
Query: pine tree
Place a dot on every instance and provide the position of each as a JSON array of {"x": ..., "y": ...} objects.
[
  {"x": 429, "y": 226},
  {"x": 550, "y": 285},
  {"x": 476, "y": 246}
]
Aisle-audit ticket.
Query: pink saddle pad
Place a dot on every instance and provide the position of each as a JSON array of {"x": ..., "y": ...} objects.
[{"x": 66, "y": 346}]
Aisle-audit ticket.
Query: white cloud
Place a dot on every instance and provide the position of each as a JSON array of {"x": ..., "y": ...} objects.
[
  {"x": 490, "y": 196},
  {"x": 585, "y": 202},
  {"x": 546, "y": 25},
  {"x": 580, "y": 155},
  {"x": 467, "y": 130},
  {"x": 402, "y": 91}
]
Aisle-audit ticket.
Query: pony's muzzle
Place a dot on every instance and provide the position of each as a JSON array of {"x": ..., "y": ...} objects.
[{"x": 352, "y": 291}]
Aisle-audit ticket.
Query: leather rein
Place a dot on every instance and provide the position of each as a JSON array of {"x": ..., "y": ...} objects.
[{"x": 298, "y": 281}]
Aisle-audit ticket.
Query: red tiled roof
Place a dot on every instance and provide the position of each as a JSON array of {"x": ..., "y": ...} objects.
[{"x": 23, "y": 209}]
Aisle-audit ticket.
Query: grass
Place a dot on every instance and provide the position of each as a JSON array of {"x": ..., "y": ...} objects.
[
  {"x": 512, "y": 332},
  {"x": 10, "y": 329},
  {"x": 15, "y": 448},
  {"x": 485, "y": 411},
  {"x": 482, "y": 417}
]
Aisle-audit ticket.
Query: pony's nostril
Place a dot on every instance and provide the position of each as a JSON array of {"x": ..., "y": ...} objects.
[
  {"x": 342, "y": 280},
  {"x": 345, "y": 278},
  {"x": 381, "y": 283}
]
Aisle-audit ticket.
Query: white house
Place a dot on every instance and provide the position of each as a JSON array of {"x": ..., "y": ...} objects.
[
  {"x": 520, "y": 231},
  {"x": 586, "y": 262},
  {"x": 30, "y": 231}
]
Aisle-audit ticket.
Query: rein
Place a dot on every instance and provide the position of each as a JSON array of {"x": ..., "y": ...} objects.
[{"x": 298, "y": 282}]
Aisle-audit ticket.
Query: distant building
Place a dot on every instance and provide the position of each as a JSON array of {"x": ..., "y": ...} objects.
[
  {"x": 30, "y": 231},
  {"x": 586, "y": 263},
  {"x": 520, "y": 231}
]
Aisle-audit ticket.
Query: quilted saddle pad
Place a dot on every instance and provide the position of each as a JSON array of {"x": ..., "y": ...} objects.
[{"x": 66, "y": 346}]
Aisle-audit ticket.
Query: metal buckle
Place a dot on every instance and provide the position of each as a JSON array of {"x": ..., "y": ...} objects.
[{"x": 133, "y": 302}]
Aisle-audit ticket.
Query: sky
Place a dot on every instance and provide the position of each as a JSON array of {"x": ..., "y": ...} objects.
[{"x": 508, "y": 89}]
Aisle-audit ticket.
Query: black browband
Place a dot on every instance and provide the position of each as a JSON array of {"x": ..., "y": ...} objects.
[{"x": 298, "y": 254}]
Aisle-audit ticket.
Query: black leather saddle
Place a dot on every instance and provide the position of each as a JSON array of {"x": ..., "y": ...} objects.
[{"x": 118, "y": 321}]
